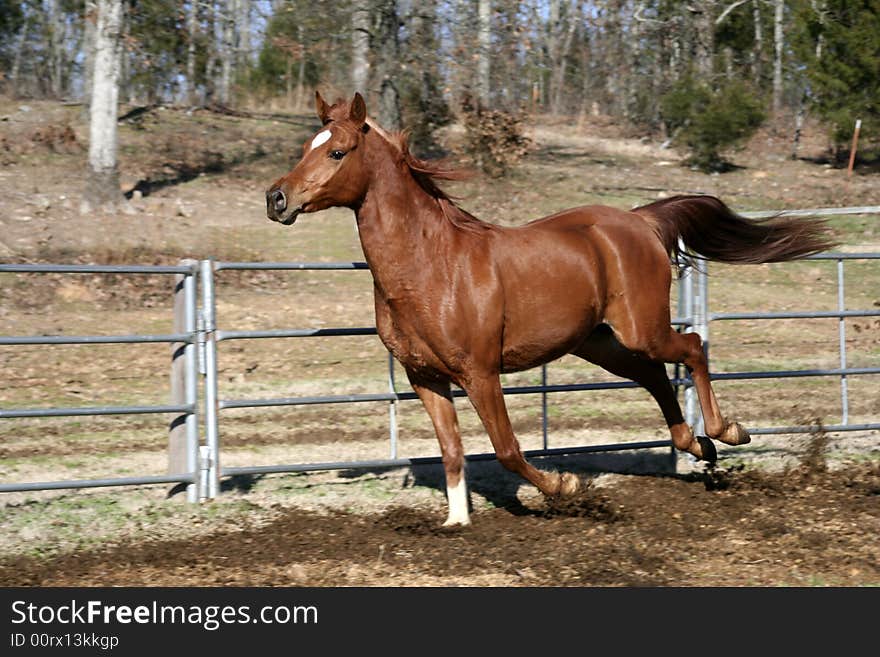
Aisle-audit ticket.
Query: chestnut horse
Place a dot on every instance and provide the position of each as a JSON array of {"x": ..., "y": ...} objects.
[{"x": 460, "y": 301}]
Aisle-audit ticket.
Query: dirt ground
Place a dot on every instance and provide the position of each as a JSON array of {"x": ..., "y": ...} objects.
[
  {"x": 803, "y": 527},
  {"x": 782, "y": 511}
]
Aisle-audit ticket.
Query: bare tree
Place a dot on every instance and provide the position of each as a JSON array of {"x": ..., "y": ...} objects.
[
  {"x": 387, "y": 62},
  {"x": 484, "y": 51},
  {"x": 360, "y": 46},
  {"x": 758, "y": 51},
  {"x": 192, "y": 27},
  {"x": 22, "y": 39},
  {"x": 243, "y": 22},
  {"x": 301, "y": 73},
  {"x": 214, "y": 26},
  {"x": 560, "y": 34},
  {"x": 127, "y": 91},
  {"x": 227, "y": 49},
  {"x": 611, "y": 47},
  {"x": 54, "y": 38},
  {"x": 90, "y": 20},
  {"x": 586, "y": 54},
  {"x": 704, "y": 23},
  {"x": 102, "y": 183},
  {"x": 778, "y": 47}
]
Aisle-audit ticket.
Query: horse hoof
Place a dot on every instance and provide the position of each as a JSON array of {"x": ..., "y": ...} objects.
[
  {"x": 568, "y": 484},
  {"x": 735, "y": 434},
  {"x": 457, "y": 522},
  {"x": 705, "y": 449}
]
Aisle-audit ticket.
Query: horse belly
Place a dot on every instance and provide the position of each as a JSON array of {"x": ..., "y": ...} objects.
[
  {"x": 545, "y": 334},
  {"x": 554, "y": 290}
]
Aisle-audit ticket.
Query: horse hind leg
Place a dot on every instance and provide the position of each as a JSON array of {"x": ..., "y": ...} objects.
[
  {"x": 687, "y": 348},
  {"x": 669, "y": 346},
  {"x": 603, "y": 349}
]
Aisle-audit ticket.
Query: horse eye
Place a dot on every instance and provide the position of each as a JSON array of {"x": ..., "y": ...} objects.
[{"x": 337, "y": 155}]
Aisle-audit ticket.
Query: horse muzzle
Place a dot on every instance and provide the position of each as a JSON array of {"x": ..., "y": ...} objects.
[
  {"x": 289, "y": 217},
  {"x": 278, "y": 209}
]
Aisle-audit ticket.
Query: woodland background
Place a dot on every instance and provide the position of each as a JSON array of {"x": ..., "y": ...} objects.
[{"x": 704, "y": 73}]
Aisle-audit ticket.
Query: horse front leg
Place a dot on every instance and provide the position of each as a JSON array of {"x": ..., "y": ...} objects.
[
  {"x": 436, "y": 397},
  {"x": 487, "y": 399}
]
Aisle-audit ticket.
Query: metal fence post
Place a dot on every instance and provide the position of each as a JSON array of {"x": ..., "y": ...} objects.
[
  {"x": 700, "y": 297},
  {"x": 688, "y": 311},
  {"x": 183, "y": 433},
  {"x": 685, "y": 313},
  {"x": 392, "y": 407},
  {"x": 212, "y": 434},
  {"x": 841, "y": 306},
  {"x": 544, "y": 422}
]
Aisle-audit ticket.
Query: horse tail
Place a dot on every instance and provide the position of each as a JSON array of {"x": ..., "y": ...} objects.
[{"x": 710, "y": 229}]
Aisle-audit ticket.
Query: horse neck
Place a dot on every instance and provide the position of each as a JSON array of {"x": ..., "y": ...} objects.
[{"x": 398, "y": 221}]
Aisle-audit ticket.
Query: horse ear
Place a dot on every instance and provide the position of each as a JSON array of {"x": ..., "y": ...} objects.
[
  {"x": 321, "y": 107},
  {"x": 358, "y": 110}
]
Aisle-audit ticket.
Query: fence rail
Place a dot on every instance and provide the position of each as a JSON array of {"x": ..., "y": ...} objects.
[{"x": 195, "y": 451}]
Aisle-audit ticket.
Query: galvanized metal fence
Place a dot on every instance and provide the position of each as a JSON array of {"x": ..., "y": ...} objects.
[
  {"x": 183, "y": 462},
  {"x": 215, "y": 404},
  {"x": 195, "y": 460}
]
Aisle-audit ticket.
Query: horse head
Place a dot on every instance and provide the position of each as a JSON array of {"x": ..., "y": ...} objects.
[{"x": 331, "y": 171}]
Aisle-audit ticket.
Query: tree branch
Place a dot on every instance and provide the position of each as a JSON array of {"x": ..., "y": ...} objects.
[
  {"x": 729, "y": 9},
  {"x": 637, "y": 15}
]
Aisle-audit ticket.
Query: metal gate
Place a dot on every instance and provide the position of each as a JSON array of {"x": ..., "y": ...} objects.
[{"x": 183, "y": 461}]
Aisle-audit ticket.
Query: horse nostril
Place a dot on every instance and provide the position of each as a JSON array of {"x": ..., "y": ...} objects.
[
  {"x": 275, "y": 201},
  {"x": 278, "y": 200}
]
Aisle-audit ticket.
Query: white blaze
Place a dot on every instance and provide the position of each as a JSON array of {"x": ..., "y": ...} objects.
[{"x": 320, "y": 138}]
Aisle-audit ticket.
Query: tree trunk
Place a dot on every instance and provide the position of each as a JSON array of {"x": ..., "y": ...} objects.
[
  {"x": 586, "y": 80},
  {"x": 559, "y": 54},
  {"x": 613, "y": 63},
  {"x": 799, "y": 115},
  {"x": 704, "y": 22},
  {"x": 54, "y": 35},
  {"x": 16, "y": 62},
  {"x": 676, "y": 47},
  {"x": 243, "y": 60},
  {"x": 633, "y": 48},
  {"x": 214, "y": 29},
  {"x": 758, "y": 53},
  {"x": 244, "y": 35},
  {"x": 426, "y": 104},
  {"x": 360, "y": 47},
  {"x": 102, "y": 184},
  {"x": 484, "y": 51},
  {"x": 127, "y": 91},
  {"x": 779, "y": 44},
  {"x": 462, "y": 76},
  {"x": 227, "y": 51},
  {"x": 192, "y": 26},
  {"x": 288, "y": 81},
  {"x": 551, "y": 47},
  {"x": 90, "y": 20},
  {"x": 388, "y": 60},
  {"x": 301, "y": 74}
]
